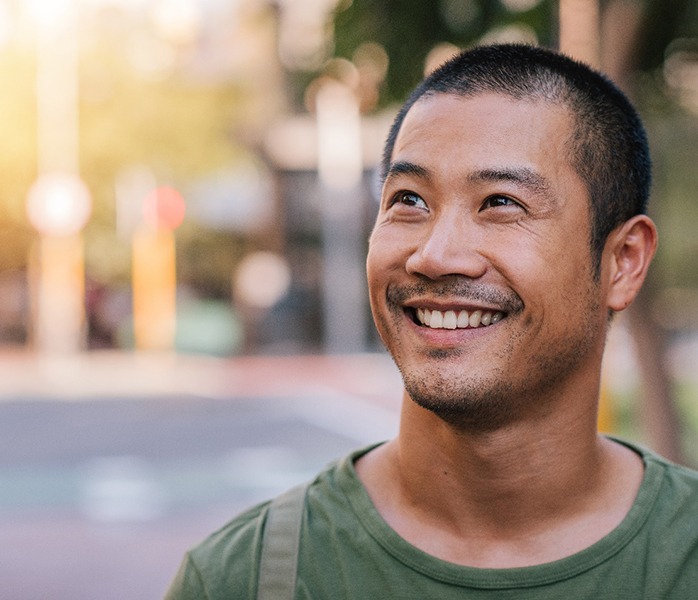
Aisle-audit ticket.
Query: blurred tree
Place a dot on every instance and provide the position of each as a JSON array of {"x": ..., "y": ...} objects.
[
  {"x": 409, "y": 29},
  {"x": 177, "y": 127}
]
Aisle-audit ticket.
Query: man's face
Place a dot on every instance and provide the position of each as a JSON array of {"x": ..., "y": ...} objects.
[{"x": 479, "y": 265}]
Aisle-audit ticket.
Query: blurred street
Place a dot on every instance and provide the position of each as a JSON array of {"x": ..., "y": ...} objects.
[{"x": 112, "y": 465}]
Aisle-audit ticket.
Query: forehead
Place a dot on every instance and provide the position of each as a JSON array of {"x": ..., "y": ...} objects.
[{"x": 485, "y": 129}]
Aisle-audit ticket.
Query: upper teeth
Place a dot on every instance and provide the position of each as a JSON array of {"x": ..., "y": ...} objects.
[{"x": 451, "y": 319}]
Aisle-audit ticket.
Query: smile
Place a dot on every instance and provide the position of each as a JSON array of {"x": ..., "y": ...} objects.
[{"x": 451, "y": 319}]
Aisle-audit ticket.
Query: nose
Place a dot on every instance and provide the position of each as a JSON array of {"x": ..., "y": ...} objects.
[{"x": 450, "y": 246}]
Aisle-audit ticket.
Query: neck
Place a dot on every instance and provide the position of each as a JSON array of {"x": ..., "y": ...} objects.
[
  {"x": 522, "y": 461},
  {"x": 503, "y": 497}
]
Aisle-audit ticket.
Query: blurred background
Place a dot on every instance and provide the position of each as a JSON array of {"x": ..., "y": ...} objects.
[{"x": 186, "y": 190}]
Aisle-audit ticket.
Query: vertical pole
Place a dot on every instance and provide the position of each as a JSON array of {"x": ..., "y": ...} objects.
[
  {"x": 340, "y": 169},
  {"x": 59, "y": 301},
  {"x": 154, "y": 289},
  {"x": 59, "y": 293},
  {"x": 57, "y": 88}
]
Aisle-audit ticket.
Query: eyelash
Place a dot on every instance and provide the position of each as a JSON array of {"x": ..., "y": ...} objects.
[
  {"x": 402, "y": 195},
  {"x": 509, "y": 201}
]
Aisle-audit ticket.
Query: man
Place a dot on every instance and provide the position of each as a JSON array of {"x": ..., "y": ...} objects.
[{"x": 511, "y": 228}]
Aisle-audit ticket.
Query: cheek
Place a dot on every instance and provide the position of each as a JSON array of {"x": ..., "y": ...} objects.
[
  {"x": 373, "y": 259},
  {"x": 386, "y": 255},
  {"x": 375, "y": 272},
  {"x": 385, "y": 265},
  {"x": 551, "y": 274},
  {"x": 378, "y": 269},
  {"x": 551, "y": 254}
]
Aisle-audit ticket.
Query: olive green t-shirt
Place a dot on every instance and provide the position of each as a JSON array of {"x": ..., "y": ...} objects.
[{"x": 347, "y": 551}]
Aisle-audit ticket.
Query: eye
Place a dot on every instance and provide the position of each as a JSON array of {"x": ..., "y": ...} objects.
[
  {"x": 409, "y": 199},
  {"x": 497, "y": 200}
]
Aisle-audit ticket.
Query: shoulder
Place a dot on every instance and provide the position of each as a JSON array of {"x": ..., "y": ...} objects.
[
  {"x": 672, "y": 533},
  {"x": 673, "y": 482},
  {"x": 667, "y": 502},
  {"x": 240, "y": 539},
  {"x": 679, "y": 484},
  {"x": 679, "y": 489},
  {"x": 672, "y": 492},
  {"x": 224, "y": 565}
]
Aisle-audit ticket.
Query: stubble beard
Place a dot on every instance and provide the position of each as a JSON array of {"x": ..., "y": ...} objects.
[
  {"x": 489, "y": 401},
  {"x": 467, "y": 405}
]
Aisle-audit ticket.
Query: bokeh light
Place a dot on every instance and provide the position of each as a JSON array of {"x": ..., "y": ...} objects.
[
  {"x": 59, "y": 204},
  {"x": 164, "y": 208}
]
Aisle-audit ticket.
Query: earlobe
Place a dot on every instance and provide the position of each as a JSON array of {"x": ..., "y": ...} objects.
[{"x": 630, "y": 248}]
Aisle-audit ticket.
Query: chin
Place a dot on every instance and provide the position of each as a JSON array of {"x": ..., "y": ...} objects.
[{"x": 475, "y": 404}]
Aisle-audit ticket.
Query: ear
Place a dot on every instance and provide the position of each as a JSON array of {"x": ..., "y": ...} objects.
[{"x": 629, "y": 251}]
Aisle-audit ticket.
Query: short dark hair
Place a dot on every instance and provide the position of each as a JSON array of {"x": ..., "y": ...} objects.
[{"x": 609, "y": 147}]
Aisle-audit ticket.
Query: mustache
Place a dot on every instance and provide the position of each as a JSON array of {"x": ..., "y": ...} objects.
[{"x": 465, "y": 290}]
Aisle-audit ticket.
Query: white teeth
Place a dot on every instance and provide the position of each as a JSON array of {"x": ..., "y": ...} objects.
[
  {"x": 463, "y": 319},
  {"x": 427, "y": 317},
  {"x": 450, "y": 319},
  {"x": 460, "y": 320},
  {"x": 437, "y": 319}
]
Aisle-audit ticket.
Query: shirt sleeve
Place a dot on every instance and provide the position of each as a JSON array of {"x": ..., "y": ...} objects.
[{"x": 187, "y": 584}]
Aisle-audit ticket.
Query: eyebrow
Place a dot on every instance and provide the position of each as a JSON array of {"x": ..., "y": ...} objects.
[
  {"x": 404, "y": 167},
  {"x": 523, "y": 176}
]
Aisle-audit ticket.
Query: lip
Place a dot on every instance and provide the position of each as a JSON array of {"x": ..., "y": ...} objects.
[
  {"x": 442, "y": 306},
  {"x": 444, "y": 339}
]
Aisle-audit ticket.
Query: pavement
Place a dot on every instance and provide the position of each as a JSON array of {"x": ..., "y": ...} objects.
[{"x": 113, "y": 464}]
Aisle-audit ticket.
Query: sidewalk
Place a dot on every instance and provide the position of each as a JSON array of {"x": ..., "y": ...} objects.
[{"x": 128, "y": 374}]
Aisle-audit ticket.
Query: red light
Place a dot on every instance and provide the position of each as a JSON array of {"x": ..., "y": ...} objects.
[{"x": 164, "y": 208}]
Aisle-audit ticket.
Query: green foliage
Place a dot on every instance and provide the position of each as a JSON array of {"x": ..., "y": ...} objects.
[
  {"x": 410, "y": 29},
  {"x": 206, "y": 259},
  {"x": 664, "y": 21},
  {"x": 178, "y": 128}
]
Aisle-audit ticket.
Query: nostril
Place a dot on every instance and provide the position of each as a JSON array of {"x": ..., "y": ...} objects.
[{"x": 444, "y": 254}]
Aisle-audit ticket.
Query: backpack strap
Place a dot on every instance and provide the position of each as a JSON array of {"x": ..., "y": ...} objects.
[{"x": 280, "y": 542}]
